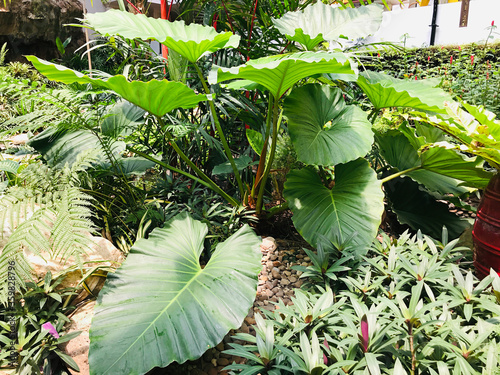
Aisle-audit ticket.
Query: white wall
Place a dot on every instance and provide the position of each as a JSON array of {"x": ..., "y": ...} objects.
[{"x": 416, "y": 21}]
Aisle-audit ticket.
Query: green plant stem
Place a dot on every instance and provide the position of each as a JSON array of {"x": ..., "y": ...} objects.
[
  {"x": 277, "y": 209},
  {"x": 263, "y": 154},
  {"x": 219, "y": 130},
  {"x": 260, "y": 197},
  {"x": 388, "y": 178},
  {"x": 412, "y": 349},
  {"x": 210, "y": 184}
]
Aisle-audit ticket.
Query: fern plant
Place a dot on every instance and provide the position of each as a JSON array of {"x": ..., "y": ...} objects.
[{"x": 48, "y": 215}]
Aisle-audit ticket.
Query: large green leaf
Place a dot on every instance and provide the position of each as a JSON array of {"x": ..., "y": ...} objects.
[
  {"x": 450, "y": 163},
  {"x": 191, "y": 41},
  {"x": 319, "y": 22},
  {"x": 400, "y": 154},
  {"x": 477, "y": 130},
  {"x": 122, "y": 119},
  {"x": 441, "y": 170},
  {"x": 325, "y": 131},
  {"x": 353, "y": 206},
  {"x": 280, "y": 72},
  {"x": 156, "y": 97},
  {"x": 162, "y": 306},
  {"x": 420, "y": 210},
  {"x": 386, "y": 91},
  {"x": 59, "y": 148}
]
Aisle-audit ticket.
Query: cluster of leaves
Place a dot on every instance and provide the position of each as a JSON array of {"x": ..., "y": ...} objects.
[
  {"x": 469, "y": 72},
  {"x": 410, "y": 305},
  {"x": 36, "y": 348}
]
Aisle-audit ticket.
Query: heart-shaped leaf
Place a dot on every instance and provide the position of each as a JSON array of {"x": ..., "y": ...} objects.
[
  {"x": 385, "y": 91},
  {"x": 280, "y": 72},
  {"x": 156, "y": 97},
  {"x": 353, "y": 206},
  {"x": 162, "y": 306},
  {"x": 325, "y": 131},
  {"x": 319, "y": 22},
  {"x": 191, "y": 41}
]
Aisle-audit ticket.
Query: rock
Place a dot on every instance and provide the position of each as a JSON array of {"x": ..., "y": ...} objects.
[
  {"x": 101, "y": 252},
  {"x": 220, "y": 347},
  {"x": 276, "y": 273},
  {"x": 30, "y": 27},
  {"x": 223, "y": 362},
  {"x": 78, "y": 348},
  {"x": 20, "y": 139},
  {"x": 285, "y": 282},
  {"x": 292, "y": 279},
  {"x": 268, "y": 244}
]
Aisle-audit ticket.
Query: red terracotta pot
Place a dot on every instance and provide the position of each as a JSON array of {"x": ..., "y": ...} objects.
[{"x": 486, "y": 231}]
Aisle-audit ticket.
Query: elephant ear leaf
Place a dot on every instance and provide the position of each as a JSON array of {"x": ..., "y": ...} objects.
[
  {"x": 352, "y": 208},
  {"x": 385, "y": 91},
  {"x": 319, "y": 22},
  {"x": 191, "y": 41},
  {"x": 279, "y": 73},
  {"x": 162, "y": 306},
  {"x": 325, "y": 131},
  {"x": 156, "y": 97}
]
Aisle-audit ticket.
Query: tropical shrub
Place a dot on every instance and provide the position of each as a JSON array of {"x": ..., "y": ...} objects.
[{"x": 410, "y": 305}]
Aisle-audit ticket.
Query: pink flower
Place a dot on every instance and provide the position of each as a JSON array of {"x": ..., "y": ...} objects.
[
  {"x": 52, "y": 330},
  {"x": 325, "y": 358},
  {"x": 459, "y": 48},
  {"x": 428, "y": 58},
  {"x": 365, "y": 338},
  {"x": 378, "y": 55}
]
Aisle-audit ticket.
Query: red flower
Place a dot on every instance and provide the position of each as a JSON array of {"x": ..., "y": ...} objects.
[
  {"x": 416, "y": 78},
  {"x": 451, "y": 60},
  {"x": 416, "y": 64},
  {"x": 378, "y": 55},
  {"x": 428, "y": 58},
  {"x": 247, "y": 126},
  {"x": 487, "y": 75},
  {"x": 459, "y": 48},
  {"x": 493, "y": 23},
  {"x": 472, "y": 59}
]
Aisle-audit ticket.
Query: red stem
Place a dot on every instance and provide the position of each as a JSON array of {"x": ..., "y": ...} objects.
[
  {"x": 133, "y": 6},
  {"x": 228, "y": 17},
  {"x": 170, "y": 9},
  {"x": 251, "y": 29}
]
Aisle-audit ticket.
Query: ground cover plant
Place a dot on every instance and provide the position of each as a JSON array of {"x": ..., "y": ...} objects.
[
  {"x": 211, "y": 134},
  {"x": 408, "y": 305}
]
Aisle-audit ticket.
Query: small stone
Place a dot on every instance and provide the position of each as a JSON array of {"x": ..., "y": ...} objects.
[
  {"x": 279, "y": 293},
  {"x": 214, "y": 362},
  {"x": 263, "y": 278},
  {"x": 287, "y": 273},
  {"x": 292, "y": 279},
  {"x": 249, "y": 320},
  {"x": 223, "y": 362},
  {"x": 269, "y": 284},
  {"x": 276, "y": 263},
  {"x": 285, "y": 282},
  {"x": 244, "y": 328},
  {"x": 299, "y": 256},
  {"x": 276, "y": 273},
  {"x": 282, "y": 268},
  {"x": 307, "y": 259},
  {"x": 220, "y": 347},
  {"x": 212, "y": 371},
  {"x": 305, "y": 264}
]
